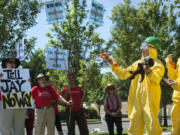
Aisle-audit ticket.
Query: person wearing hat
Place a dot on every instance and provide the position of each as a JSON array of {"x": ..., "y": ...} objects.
[
  {"x": 11, "y": 120},
  {"x": 174, "y": 82},
  {"x": 44, "y": 96},
  {"x": 112, "y": 108},
  {"x": 144, "y": 97},
  {"x": 75, "y": 113}
]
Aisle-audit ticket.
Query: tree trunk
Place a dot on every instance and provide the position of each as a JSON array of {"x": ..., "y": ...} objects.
[
  {"x": 99, "y": 108},
  {"x": 165, "y": 116}
]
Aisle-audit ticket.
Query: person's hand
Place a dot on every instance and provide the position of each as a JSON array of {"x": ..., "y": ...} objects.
[
  {"x": 169, "y": 57},
  {"x": 29, "y": 80},
  {"x": 69, "y": 103},
  {"x": 1, "y": 75},
  {"x": 113, "y": 114},
  {"x": 109, "y": 59},
  {"x": 169, "y": 81}
]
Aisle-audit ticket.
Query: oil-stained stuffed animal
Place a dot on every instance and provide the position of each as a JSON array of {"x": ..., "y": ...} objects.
[{"x": 140, "y": 68}]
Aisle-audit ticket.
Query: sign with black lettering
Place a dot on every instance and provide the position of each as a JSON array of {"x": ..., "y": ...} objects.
[
  {"x": 55, "y": 11},
  {"x": 56, "y": 58},
  {"x": 96, "y": 13},
  {"x": 15, "y": 88}
]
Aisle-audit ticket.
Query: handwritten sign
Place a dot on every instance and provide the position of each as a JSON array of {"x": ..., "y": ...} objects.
[
  {"x": 96, "y": 13},
  {"x": 16, "y": 89},
  {"x": 20, "y": 50},
  {"x": 56, "y": 58},
  {"x": 55, "y": 11}
]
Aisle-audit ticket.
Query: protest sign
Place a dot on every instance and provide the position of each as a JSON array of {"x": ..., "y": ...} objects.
[
  {"x": 20, "y": 50},
  {"x": 96, "y": 13},
  {"x": 55, "y": 11},
  {"x": 15, "y": 89},
  {"x": 56, "y": 58}
]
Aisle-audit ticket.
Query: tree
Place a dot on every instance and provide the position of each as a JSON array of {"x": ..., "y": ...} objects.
[
  {"x": 96, "y": 81},
  {"x": 16, "y": 16},
  {"x": 77, "y": 36},
  {"x": 36, "y": 64},
  {"x": 132, "y": 25}
]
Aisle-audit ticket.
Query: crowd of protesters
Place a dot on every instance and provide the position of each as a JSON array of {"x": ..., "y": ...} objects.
[{"x": 143, "y": 100}]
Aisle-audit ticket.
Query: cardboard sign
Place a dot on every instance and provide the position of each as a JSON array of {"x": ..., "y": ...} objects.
[
  {"x": 96, "y": 13},
  {"x": 56, "y": 58},
  {"x": 55, "y": 11},
  {"x": 15, "y": 89},
  {"x": 20, "y": 50}
]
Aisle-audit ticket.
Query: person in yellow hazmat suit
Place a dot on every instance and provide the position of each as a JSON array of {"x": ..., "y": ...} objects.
[
  {"x": 174, "y": 81},
  {"x": 144, "y": 97}
]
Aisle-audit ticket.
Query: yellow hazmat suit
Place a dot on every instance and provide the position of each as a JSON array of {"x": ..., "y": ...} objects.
[
  {"x": 144, "y": 98},
  {"x": 174, "y": 74}
]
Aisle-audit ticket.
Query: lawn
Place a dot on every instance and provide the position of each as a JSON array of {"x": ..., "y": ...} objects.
[{"x": 125, "y": 131}]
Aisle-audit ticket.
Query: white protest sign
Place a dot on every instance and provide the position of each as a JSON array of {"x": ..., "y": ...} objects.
[
  {"x": 20, "y": 50},
  {"x": 55, "y": 11},
  {"x": 96, "y": 13},
  {"x": 16, "y": 88},
  {"x": 56, "y": 58}
]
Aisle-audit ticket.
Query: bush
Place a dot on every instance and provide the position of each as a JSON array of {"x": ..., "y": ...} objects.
[{"x": 91, "y": 113}]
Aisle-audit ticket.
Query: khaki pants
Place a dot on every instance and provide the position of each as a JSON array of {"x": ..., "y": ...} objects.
[
  {"x": 45, "y": 117},
  {"x": 12, "y": 121}
]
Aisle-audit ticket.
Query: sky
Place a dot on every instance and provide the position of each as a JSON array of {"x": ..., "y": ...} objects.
[{"x": 42, "y": 27}]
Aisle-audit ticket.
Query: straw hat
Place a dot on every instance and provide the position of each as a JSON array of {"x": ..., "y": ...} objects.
[
  {"x": 110, "y": 85},
  {"x": 39, "y": 76}
]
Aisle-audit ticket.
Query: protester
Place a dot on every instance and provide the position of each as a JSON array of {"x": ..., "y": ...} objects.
[
  {"x": 144, "y": 97},
  {"x": 75, "y": 113},
  {"x": 112, "y": 108},
  {"x": 43, "y": 95},
  {"x": 29, "y": 122},
  {"x": 11, "y": 120},
  {"x": 58, "y": 121},
  {"x": 174, "y": 81}
]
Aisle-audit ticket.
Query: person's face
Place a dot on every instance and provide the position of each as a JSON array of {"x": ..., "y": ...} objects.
[
  {"x": 111, "y": 90},
  {"x": 70, "y": 80},
  {"x": 41, "y": 81},
  {"x": 11, "y": 63},
  {"x": 145, "y": 49}
]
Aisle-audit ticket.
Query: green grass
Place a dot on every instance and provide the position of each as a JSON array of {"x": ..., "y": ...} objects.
[
  {"x": 106, "y": 133},
  {"x": 125, "y": 131}
]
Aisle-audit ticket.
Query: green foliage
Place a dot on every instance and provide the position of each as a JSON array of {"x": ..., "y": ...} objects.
[
  {"x": 58, "y": 77},
  {"x": 76, "y": 35},
  {"x": 133, "y": 24},
  {"x": 91, "y": 113},
  {"x": 16, "y": 16},
  {"x": 36, "y": 64},
  {"x": 84, "y": 45}
]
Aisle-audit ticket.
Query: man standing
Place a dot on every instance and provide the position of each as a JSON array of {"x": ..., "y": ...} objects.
[
  {"x": 75, "y": 112},
  {"x": 144, "y": 97}
]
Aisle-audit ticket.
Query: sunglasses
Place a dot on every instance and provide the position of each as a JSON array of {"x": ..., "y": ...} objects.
[
  {"x": 11, "y": 62},
  {"x": 111, "y": 88}
]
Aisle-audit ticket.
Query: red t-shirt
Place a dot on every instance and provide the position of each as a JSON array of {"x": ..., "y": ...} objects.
[
  {"x": 43, "y": 96},
  {"x": 76, "y": 96}
]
